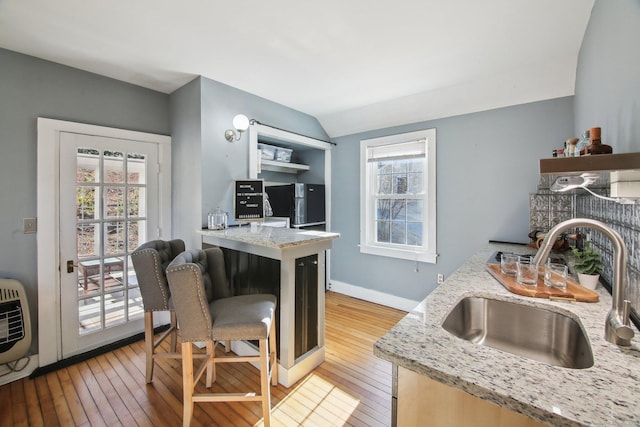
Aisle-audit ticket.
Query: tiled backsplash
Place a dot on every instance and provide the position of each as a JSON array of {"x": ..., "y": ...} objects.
[
  {"x": 625, "y": 220},
  {"x": 547, "y": 209}
]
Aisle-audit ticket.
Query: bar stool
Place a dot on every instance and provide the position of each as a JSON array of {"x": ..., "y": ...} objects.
[
  {"x": 150, "y": 261},
  {"x": 204, "y": 318}
]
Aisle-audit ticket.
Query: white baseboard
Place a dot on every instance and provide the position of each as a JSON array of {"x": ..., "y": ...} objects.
[
  {"x": 370, "y": 295},
  {"x": 13, "y": 376}
]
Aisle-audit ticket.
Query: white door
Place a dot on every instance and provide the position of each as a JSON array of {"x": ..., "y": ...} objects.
[{"x": 109, "y": 204}]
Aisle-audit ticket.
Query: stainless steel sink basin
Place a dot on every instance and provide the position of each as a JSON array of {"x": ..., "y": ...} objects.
[{"x": 535, "y": 333}]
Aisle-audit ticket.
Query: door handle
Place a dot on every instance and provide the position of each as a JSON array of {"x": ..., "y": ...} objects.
[{"x": 70, "y": 266}]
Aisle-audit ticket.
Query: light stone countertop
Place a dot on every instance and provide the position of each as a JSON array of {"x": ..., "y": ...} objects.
[
  {"x": 271, "y": 242},
  {"x": 272, "y": 237},
  {"x": 607, "y": 394}
]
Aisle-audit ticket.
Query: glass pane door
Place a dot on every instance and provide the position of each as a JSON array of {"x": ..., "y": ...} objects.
[
  {"x": 111, "y": 182},
  {"x": 109, "y": 224}
]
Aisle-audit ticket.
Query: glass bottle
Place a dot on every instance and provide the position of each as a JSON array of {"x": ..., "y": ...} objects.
[
  {"x": 570, "y": 151},
  {"x": 210, "y": 221},
  {"x": 584, "y": 142}
]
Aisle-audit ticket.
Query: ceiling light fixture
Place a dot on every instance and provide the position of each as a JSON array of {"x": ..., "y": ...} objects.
[{"x": 241, "y": 124}]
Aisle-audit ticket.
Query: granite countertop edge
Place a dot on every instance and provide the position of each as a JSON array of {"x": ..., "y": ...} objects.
[
  {"x": 608, "y": 393},
  {"x": 273, "y": 237}
]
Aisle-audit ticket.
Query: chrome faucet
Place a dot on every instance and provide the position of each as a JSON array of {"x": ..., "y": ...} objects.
[{"x": 616, "y": 328}]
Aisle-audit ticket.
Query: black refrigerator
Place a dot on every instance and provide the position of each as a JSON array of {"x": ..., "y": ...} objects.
[{"x": 303, "y": 204}]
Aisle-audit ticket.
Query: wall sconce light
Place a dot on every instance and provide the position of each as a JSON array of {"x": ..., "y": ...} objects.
[{"x": 241, "y": 124}]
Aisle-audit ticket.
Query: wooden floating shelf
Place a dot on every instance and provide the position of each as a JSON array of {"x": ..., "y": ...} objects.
[{"x": 596, "y": 163}]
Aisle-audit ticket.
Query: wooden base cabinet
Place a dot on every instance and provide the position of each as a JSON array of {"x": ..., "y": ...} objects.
[{"x": 422, "y": 401}]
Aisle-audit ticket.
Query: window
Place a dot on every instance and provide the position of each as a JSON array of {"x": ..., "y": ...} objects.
[{"x": 398, "y": 196}]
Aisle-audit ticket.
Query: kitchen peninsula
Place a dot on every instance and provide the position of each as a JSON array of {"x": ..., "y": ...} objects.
[
  {"x": 289, "y": 263},
  {"x": 535, "y": 393}
]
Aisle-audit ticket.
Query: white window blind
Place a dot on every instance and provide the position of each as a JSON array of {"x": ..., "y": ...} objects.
[{"x": 398, "y": 151}]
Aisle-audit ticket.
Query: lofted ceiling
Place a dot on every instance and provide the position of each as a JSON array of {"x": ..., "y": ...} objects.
[{"x": 355, "y": 65}]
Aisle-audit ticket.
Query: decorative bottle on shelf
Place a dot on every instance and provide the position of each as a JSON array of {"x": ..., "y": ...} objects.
[
  {"x": 570, "y": 151},
  {"x": 597, "y": 147},
  {"x": 581, "y": 146}
]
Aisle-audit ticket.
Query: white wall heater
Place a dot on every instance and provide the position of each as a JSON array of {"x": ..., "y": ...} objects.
[{"x": 15, "y": 324}]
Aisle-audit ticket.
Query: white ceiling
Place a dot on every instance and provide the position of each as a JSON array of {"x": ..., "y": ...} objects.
[{"x": 356, "y": 65}]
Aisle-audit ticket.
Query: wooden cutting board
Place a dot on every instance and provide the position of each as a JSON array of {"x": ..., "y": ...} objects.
[{"x": 574, "y": 290}]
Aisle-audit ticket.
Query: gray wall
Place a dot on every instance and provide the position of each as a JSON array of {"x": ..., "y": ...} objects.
[
  {"x": 205, "y": 164},
  {"x": 608, "y": 95},
  {"x": 608, "y": 75},
  {"x": 487, "y": 163},
  {"x": 31, "y": 88},
  {"x": 185, "y": 161}
]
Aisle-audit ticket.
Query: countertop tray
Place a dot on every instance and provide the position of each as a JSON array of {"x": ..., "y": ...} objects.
[{"x": 574, "y": 290}]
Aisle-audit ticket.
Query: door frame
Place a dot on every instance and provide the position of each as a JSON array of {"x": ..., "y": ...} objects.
[{"x": 48, "y": 192}]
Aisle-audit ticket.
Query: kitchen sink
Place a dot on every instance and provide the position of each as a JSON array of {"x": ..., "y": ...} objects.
[{"x": 536, "y": 333}]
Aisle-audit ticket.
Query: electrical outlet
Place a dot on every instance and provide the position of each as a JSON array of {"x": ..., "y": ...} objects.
[
  {"x": 440, "y": 278},
  {"x": 30, "y": 225}
]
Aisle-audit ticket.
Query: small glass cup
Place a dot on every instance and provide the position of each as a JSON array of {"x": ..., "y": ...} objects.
[
  {"x": 508, "y": 263},
  {"x": 555, "y": 275},
  {"x": 526, "y": 271}
]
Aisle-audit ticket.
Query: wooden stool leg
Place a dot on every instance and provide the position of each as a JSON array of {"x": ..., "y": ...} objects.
[
  {"x": 211, "y": 366},
  {"x": 264, "y": 382},
  {"x": 187, "y": 383},
  {"x": 174, "y": 333},
  {"x": 148, "y": 344},
  {"x": 273, "y": 353}
]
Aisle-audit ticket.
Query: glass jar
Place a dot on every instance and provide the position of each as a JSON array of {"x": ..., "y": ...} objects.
[{"x": 217, "y": 220}]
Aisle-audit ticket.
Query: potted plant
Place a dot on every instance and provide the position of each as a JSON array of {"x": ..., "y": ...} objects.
[{"x": 588, "y": 265}]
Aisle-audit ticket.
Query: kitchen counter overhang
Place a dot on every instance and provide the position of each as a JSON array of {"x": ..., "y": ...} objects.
[
  {"x": 608, "y": 393},
  {"x": 272, "y": 242}
]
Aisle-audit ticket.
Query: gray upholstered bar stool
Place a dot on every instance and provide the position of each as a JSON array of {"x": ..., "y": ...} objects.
[
  {"x": 150, "y": 262},
  {"x": 202, "y": 317}
]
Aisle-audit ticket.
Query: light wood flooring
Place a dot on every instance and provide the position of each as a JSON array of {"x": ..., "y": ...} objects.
[{"x": 351, "y": 388}]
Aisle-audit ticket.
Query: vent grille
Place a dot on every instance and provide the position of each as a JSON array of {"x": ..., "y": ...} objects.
[
  {"x": 15, "y": 326},
  {"x": 9, "y": 295}
]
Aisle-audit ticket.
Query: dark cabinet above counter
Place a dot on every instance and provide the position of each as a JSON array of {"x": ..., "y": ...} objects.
[{"x": 594, "y": 163}]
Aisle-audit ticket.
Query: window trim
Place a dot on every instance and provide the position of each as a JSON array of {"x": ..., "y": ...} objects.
[{"x": 368, "y": 244}]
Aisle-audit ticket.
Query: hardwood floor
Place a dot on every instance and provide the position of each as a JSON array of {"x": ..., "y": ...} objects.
[{"x": 352, "y": 387}]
